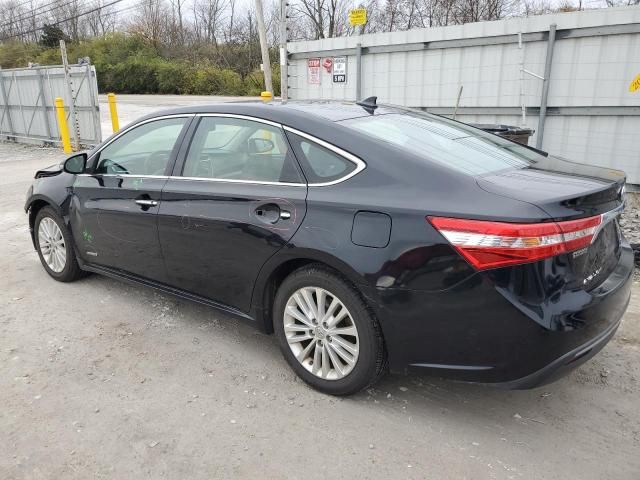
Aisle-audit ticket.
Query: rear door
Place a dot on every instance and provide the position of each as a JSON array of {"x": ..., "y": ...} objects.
[
  {"x": 234, "y": 200},
  {"x": 114, "y": 208}
]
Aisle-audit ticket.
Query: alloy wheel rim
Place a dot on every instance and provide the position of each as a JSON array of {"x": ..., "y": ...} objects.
[
  {"x": 52, "y": 246},
  {"x": 321, "y": 333}
]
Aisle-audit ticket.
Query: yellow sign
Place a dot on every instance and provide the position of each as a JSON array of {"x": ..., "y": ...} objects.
[
  {"x": 358, "y": 16},
  {"x": 635, "y": 85}
]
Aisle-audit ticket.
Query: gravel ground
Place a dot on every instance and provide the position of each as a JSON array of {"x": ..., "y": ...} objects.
[
  {"x": 99, "y": 379},
  {"x": 630, "y": 224}
]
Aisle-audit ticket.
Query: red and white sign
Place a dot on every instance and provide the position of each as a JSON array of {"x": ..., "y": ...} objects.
[
  {"x": 313, "y": 71},
  {"x": 328, "y": 64}
]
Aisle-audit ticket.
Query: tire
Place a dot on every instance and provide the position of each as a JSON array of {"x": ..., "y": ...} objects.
[
  {"x": 292, "y": 324},
  {"x": 63, "y": 271}
]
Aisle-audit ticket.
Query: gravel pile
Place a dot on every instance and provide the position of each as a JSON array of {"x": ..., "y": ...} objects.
[{"x": 630, "y": 224}]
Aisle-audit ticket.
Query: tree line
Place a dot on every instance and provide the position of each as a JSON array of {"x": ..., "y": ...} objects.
[{"x": 212, "y": 46}]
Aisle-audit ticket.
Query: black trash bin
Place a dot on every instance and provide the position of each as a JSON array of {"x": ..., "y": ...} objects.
[{"x": 517, "y": 134}]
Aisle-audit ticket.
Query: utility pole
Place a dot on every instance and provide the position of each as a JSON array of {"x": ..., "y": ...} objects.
[
  {"x": 72, "y": 99},
  {"x": 284, "y": 74},
  {"x": 264, "y": 47}
]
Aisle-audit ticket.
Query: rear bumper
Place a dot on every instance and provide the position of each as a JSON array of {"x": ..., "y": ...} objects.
[
  {"x": 563, "y": 365},
  {"x": 487, "y": 330}
]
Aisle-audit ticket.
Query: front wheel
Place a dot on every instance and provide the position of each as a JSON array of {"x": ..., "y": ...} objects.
[
  {"x": 54, "y": 245},
  {"x": 327, "y": 333}
]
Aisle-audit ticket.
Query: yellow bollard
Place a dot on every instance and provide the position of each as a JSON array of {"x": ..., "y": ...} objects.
[
  {"x": 62, "y": 126},
  {"x": 266, "y": 96},
  {"x": 114, "y": 112}
]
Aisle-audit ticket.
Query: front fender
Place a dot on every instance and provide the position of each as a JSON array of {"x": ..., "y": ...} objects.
[{"x": 49, "y": 191}]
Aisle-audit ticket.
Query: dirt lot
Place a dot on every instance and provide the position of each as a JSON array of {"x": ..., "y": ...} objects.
[{"x": 99, "y": 379}]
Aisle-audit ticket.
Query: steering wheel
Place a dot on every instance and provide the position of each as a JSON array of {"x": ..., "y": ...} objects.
[{"x": 113, "y": 167}]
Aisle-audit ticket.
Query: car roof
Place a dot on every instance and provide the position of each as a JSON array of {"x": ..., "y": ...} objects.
[{"x": 288, "y": 113}]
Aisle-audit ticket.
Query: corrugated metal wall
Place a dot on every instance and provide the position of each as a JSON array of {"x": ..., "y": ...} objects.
[
  {"x": 593, "y": 117},
  {"x": 27, "y": 103}
]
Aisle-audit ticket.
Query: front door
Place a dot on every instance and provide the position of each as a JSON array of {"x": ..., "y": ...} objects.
[
  {"x": 235, "y": 200},
  {"x": 114, "y": 208}
]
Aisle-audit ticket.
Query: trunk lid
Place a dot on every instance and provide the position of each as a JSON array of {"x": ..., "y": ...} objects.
[
  {"x": 564, "y": 189},
  {"x": 567, "y": 191}
]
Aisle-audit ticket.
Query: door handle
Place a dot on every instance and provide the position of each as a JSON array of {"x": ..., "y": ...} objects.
[
  {"x": 268, "y": 213},
  {"x": 147, "y": 203},
  {"x": 285, "y": 215}
]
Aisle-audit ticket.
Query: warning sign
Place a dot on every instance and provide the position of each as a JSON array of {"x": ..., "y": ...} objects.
[
  {"x": 357, "y": 16},
  {"x": 339, "y": 70},
  {"x": 635, "y": 85},
  {"x": 313, "y": 71},
  {"x": 328, "y": 64}
]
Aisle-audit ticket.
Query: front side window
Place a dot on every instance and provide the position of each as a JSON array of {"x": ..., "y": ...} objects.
[
  {"x": 238, "y": 149},
  {"x": 144, "y": 150}
]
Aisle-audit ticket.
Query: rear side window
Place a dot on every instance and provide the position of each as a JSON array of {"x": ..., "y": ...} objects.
[
  {"x": 320, "y": 165},
  {"x": 240, "y": 150},
  {"x": 458, "y": 146}
]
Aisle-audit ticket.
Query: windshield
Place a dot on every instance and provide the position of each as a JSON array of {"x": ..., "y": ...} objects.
[{"x": 461, "y": 147}]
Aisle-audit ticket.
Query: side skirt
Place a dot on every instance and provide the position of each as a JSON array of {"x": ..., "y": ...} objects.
[{"x": 136, "y": 280}]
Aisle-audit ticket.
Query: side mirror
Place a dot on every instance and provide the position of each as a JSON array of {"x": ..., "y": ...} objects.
[
  {"x": 75, "y": 164},
  {"x": 260, "y": 145}
]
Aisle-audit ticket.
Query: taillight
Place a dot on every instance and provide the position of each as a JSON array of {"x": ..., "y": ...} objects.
[{"x": 498, "y": 244}]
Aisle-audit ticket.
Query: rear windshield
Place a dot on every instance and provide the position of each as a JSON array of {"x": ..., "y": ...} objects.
[{"x": 461, "y": 147}]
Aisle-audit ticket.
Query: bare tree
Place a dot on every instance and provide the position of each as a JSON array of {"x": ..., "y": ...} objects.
[
  {"x": 101, "y": 21},
  {"x": 209, "y": 18},
  {"x": 177, "y": 7},
  {"x": 151, "y": 21}
]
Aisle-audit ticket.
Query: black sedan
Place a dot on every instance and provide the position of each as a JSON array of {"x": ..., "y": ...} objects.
[{"x": 366, "y": 237}]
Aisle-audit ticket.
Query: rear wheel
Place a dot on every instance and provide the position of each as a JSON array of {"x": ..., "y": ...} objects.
[
  {"x": 326, "y": 332},
  {"x": 54, "y": 245}
]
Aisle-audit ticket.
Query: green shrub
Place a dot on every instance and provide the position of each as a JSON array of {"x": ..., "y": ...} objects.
[
  {"x": 134, "y": 76},
  {"x": 14, "y": 54},
  {"x": 173, "y": 77},
  {"x": 127, "y": 63},
  {"x": 213, "y": 81},
  {"x": 254, "y": 82}
]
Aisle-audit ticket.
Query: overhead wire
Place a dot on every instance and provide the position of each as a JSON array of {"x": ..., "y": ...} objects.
[
  {"x": 6, "y": 37},
  {"x": 31, "y": 13}
]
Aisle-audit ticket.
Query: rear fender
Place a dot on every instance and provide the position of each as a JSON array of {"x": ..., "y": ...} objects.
[{"x": 279, "y": 266}]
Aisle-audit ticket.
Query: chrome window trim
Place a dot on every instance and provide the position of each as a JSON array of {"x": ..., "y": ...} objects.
[
  {"x": 240, "y": 117},
  {"x": 233, "y": 180},
  {"x": 200, "y": 179},
  {"x": 122, "y": 175},
  {"x": 360, "y": 164}
]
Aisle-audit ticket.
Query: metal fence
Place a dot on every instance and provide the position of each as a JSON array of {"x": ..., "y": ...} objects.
[
  {"x": 27, "y": 108},
  {"x": 567, "y": 76}
]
